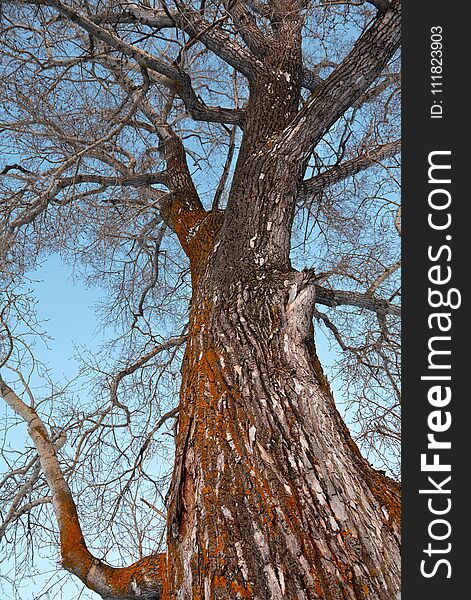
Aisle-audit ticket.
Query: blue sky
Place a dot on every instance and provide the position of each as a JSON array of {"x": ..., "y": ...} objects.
[{"x": 66, "y": 306}]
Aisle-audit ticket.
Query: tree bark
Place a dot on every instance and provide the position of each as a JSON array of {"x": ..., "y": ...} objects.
[{"x": 270, "y": 496}]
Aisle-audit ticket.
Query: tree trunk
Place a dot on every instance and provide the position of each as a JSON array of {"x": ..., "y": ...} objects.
[{"x": 270, "y": 496}]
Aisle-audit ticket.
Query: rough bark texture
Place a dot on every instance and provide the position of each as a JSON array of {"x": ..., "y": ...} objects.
[{"x": 270, "y": 497}]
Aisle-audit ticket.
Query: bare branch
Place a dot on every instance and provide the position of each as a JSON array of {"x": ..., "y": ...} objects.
[
  {"x": 31, "y": 212},
  {"x": 368, "y": 301},
  {"x": 133, "y": 180},
  {"x": 247, "y": 26},
  {"x": 381, "y": 5},
  {"x": 345, "y": 85},
  {"x": 101, "y": 578},
  {"x": 178, "y": 79},
  {"x": 170, "y": 343},
  {"x": 315, "y": 185},
  {"x": 386, "y": 273},
  {"x": 209, "y": 34}
]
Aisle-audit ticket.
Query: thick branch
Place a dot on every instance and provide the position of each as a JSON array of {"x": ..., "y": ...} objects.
[
  {"x": 344, "y": 86},
  {"x": 75, "y": 554},
  {"x": 247, "y": 27},
  {"x": 212, "y": 36},
  {"x": 178, "y": 79},
  {"x": 182, "y": 209},
  {"x": 209, "y": 34},
  {"x": 127, "y": 582},
  {"x": 133, "y": 180},
  {"x": 315, "y": 185},
  {"x": 368, "y": 301}
]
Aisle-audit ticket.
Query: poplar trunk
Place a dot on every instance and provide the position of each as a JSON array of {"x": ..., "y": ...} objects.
[{"x": 270, "y": 497}]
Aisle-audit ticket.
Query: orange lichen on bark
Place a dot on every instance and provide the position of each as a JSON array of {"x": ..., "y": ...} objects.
[
  {"x": 196, "y": 230},
  {"x": 244, "y": 591},
  {"x": 146, "y": 572},
  {"x": 225, "y": 441},
  {"x": 219, "y": 581},
  {"x": 388, "y": 493},
  {"x": 345, "y": 570},
  {"x": 219, "y": 547},
  {"x": 74, "y": 553}
]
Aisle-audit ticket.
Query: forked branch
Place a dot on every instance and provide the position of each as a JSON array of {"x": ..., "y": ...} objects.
[{"x": 345, "y": 85}]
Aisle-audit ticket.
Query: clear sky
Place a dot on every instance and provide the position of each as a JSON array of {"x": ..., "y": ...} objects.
[{"x": 68, "y": 307}]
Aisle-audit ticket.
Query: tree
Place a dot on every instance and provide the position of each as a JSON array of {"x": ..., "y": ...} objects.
[{"x": 123, "y": 159}]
